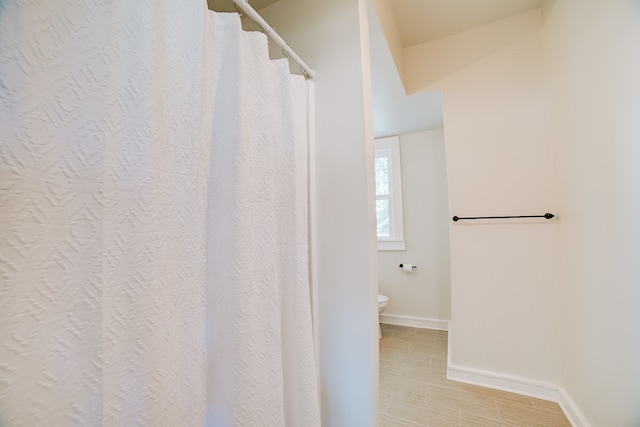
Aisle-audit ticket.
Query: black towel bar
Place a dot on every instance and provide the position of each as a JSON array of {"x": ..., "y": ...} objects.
[{"x": 547, "y": 216}]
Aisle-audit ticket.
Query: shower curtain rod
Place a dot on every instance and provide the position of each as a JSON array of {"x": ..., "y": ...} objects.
[{"x": 246, "y": 8}]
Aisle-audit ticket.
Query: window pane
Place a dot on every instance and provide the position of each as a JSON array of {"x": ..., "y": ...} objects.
[
  {"x": 382, "y": 175},
  {"x": 382, "y": 217}
]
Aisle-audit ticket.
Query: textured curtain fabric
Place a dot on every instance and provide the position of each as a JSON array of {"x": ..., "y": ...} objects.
[{"x": 153, "y": 217}]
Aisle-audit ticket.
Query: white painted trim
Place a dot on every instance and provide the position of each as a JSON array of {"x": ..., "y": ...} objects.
[
  {"x": 449, "y": 341},
  {"x": 513, "y": 384},
  {"x": 509, "y": 383},
  {"x": 523, "y": 386},
  {"x": 391, "y": 245},
  {"x": 415, "y": 322},
  {"x": 391, "y": 145},
  {"x": 571, "y": 410}
]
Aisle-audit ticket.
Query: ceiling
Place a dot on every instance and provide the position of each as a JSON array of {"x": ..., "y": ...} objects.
[
  {"x": 417, "y": 21},
  {"x": 420, "y": 21},
  {"x": 394, "y": 112}
]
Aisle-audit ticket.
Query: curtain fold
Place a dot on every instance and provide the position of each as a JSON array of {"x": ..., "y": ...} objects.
[
  {"x": 257, "y": 239},
  {"x": 153, "y": 205}
]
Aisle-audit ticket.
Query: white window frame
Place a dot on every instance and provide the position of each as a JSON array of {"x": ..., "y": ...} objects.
[{"x": 395, "y": 241}]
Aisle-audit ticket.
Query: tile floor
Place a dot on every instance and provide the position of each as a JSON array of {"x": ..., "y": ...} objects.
[{"x": 414, "y": 390}]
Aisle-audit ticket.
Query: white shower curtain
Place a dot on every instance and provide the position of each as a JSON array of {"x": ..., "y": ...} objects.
[{"x": 153, "y": 208}]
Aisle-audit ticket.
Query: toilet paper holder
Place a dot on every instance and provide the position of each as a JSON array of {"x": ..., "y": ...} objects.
[{"x": 413, "y": 266}]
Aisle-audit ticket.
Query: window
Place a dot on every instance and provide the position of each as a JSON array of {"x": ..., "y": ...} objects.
[{"x": 389, "y": 195}]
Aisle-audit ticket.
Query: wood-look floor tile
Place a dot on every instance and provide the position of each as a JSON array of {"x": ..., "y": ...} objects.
[
  {"x": 414, "y": 390},
  {"x": 546, "y": 405},
  {"x": 394, "y": 344},
  {"x": 439, "y": 364},
  {"x": 403, "y": 388},
  {"x": 387, "y": 328},
  {"x": 385, "y": 400},
  {"x": 412, "y": 370},
  {"x": 466, "y": 402},
  {"x": 442, "y": 340},
  {"x": 403, "y": 332},
  {"x": 425, "y": 347},
  {"x": 414, "y": 359},
  {"x": 392, "y": 367},
  {"x": 468, "y": 419},
  {"x": 430, "y": 376},
  {"x": 497, "y": 394},
  {"x": 388, "y": 356},
  {"x": 516, "y": 414},
  {"x": 415, "y": 340},
  {"x": 430, "y": 332},
  {"x": 388, "y": 421},
  {"x": 423, "y": 413}
]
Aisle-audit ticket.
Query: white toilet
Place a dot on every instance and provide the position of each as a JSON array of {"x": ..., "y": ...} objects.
[{"x": 382, "y": 304}]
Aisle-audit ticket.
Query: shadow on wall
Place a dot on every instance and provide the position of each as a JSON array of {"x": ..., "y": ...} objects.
[{"x": 459, "y": 51}]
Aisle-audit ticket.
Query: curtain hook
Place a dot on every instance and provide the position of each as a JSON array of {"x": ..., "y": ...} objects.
[
  {"x": 265, "y": 33},
  {"x": 235, "y": 6}
]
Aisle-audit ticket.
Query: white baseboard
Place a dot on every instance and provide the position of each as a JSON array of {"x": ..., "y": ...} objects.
[
  {"x": 415, "y": 322},
  {"x": 523, "y": 386},
  {"x": 494, "y": 380},
  {"x": 571, "y": 410},
  {"x": 509, "y": 383}
]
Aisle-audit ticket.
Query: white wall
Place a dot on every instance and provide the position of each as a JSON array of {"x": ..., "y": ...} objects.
[
  {"x": 389, "y": 26},
  {"x": 593, "y": 64},
  {"x": 505, "y": 292},
  {"x": 503, "y": 280},
  {"x": 331, "y": 37},
  {"x": 422, "y": 297}
]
